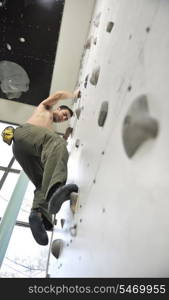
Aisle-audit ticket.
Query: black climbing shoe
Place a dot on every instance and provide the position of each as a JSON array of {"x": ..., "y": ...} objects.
[
  {"x": 38, "y": 229},
  {"x": 62, "y": 194},
  {"x": 48, "y": 225}
]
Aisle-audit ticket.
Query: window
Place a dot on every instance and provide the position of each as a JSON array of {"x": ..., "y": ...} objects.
[
  {"x": 22, "y": 259},
  {"x": 8, "y": 173}
]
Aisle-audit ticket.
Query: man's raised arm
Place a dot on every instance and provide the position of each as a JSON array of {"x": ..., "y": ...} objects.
[{"x": 59, "y": 95}]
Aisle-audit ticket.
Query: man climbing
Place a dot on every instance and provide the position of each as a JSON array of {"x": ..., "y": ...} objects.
[{"x": 43, "y": 155}]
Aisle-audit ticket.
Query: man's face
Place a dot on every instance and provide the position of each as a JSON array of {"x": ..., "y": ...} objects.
[{"x": 61, "y": 115}]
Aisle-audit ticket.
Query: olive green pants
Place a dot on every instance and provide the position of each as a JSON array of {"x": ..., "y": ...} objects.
[{"x": 43, "y": 156}]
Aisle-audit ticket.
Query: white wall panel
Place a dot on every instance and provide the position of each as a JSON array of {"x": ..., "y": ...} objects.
[{"x": 122, "y": 216}]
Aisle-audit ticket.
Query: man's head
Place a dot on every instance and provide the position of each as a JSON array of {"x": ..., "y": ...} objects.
[{"x": 62, "y": 113}]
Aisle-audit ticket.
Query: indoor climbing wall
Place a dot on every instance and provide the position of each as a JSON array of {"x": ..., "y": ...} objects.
[{"x": 119, "y": 148}]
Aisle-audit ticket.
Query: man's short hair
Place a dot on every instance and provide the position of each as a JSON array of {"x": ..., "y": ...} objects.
[{"x": 68, "y": 108}]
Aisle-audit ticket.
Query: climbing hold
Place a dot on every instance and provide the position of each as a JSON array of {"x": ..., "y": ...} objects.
[
  {"x": 86, "y": 81},
  {"x": 77, "y": 144},
  {"x": 62, "y": 221},
  {"x": 57, "y": 247},
  {"x": 61, "y": 195},
  {"x": 73, "y": 230},
  {"x": 95, "y": 40},
  {"x": 148, "y": 29},
  {"x": 78, "y": 112},
  {"x": 88, "y": 43},
  {"x": 129, "y": 88},
  {"x": 109, "y": 26},
  {"x": 103, "y": 113},
  {"x": 73, "y": 201},
  {"x": 95, "y": 75},
  {"x": 138, "y": 126}
]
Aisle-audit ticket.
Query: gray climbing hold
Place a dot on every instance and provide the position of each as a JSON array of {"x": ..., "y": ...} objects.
[
  {"x": 57, "y": 246},
  {"x": 86, "y": 81},
  {"x": 95, "y": 40},
  {"x": 95, "y": 76},
  {"x": 77, "y": 143},
  {"x": 138, "y": 126},
  {"x": 73, "y": 201},
  {"x": 78, "y": 112},
  {"x": 88, "y": 43},
  {"x": 103, "y": 114},
  {"x": 73, "y": 230}
]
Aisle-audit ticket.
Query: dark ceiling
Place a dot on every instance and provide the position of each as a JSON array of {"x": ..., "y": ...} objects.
[{"x": 29, "y": 31}]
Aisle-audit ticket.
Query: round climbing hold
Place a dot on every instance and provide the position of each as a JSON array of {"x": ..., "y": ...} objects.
[{"x": 57, "y": 247}]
